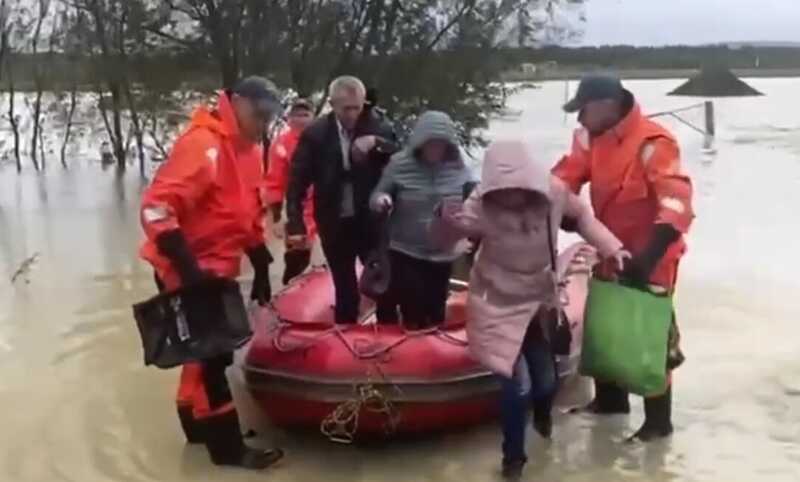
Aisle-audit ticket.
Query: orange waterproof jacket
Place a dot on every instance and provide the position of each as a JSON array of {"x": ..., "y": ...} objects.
[
  {"x": 211, "y": 188},
  {"x": 636, "y": 181},
  {"x": 277, "y": 181}
]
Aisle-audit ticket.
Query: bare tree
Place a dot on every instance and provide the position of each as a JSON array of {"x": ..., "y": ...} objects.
[
  {"x": 5, "y": 30},
  {"x": 16, "y": 25},
  {"x": 100, "y": 31},
  {"x": 6, "y": 26},
  {"x": 42, "y": 14},
  {"x": 69, "y": 121}
]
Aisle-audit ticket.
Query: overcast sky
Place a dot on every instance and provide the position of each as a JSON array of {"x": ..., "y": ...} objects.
[{"x": 659, "y": 22}]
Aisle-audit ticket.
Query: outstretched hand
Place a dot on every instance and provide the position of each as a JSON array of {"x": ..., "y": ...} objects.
[
  {"x": 621, "y": 260},
  {"x": 364, "y": 144}
]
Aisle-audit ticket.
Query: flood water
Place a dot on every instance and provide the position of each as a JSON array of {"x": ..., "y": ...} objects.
[{"x": 76, "y": 404}]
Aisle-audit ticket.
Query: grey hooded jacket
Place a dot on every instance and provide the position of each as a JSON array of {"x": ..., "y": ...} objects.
[{"x": 417, "y": 187}]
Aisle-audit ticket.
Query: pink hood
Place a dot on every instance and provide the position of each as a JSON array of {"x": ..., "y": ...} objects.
[{"x": 511, "y": 165}]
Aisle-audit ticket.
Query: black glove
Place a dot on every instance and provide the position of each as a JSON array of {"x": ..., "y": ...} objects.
[
  {"x": 467, "y": 188},
  {"x": 385, "y": 146},
  {"x": 276, "y": 210},
  {"x": 260, "y": 258},
  {"x": 174, "y": 246},
  {"x": 639, "y": 269}
]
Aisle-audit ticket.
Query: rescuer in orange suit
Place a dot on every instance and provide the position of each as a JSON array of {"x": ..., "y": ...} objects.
[
  {"x": 300, "y": 115},
  {"x": 640, "y": 192},
  {"x": 201, "y": 213}
]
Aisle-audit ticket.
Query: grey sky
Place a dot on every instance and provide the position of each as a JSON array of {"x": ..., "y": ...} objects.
[{"x": 659, "y": 22}]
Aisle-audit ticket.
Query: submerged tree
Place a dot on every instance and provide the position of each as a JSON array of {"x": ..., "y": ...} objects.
[
  {"x": 16, "y": 21},
  {"x": 41, "y": 33}
]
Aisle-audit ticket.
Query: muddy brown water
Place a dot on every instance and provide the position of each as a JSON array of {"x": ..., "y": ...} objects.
[{"x": 76, "y": 404}]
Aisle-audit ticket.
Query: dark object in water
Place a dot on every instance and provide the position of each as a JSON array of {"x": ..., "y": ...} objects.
[{"x": 715, "y": 82}]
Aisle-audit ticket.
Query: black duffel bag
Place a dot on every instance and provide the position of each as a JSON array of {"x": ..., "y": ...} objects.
[{"x": 193, "y": 324}]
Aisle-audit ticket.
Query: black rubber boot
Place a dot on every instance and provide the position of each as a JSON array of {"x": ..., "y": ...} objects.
[
  {"x": 295, "y": 262},
  {"x": 191, "y": 427},
  {"x": 543, "y": 417},
  {"x": 657, "y": 419},
  {"x": 225, "y": 445},
  {"x": 609, "y": 399},
  {"x": 512, "y": 469}
]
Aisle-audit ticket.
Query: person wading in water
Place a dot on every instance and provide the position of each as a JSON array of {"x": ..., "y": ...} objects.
[
  {"x": 202, "y": 212},
  {"x": 638, "y": 190}
]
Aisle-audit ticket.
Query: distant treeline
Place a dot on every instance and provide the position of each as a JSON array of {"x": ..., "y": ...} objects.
[
  {"x": 171, "y": 69},
  {"x": 677, "y": 57},
  {"x": 162, "y": 70}
]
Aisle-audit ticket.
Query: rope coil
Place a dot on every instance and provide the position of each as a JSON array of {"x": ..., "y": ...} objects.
[{"x": 341, "y": 426}]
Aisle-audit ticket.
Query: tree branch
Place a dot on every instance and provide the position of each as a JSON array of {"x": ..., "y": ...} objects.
[{"x": 467, "y": 7}]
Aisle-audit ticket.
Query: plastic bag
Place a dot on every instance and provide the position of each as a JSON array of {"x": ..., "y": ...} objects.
[{"x": 625, "y": 337}]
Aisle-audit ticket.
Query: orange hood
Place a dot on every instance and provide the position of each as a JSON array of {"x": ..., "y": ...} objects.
[{"x": 221, "y": 120}]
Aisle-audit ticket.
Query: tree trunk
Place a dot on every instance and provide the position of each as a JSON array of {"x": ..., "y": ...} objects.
[
  {"x": 37, "y": 118},
  {"x": 136, "y": 124},
  {"x": 43, "y": 6},
  {"x": 118, "y": 139},
  {"x": 73, "y": 103},
  {"x": 12, "y": 118},
  {"x": 43, "y": 158},
  {"x": 229, "y": 69}
]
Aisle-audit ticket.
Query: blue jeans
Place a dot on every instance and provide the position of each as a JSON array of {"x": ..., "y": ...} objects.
[{"x": 534, "y": 379}]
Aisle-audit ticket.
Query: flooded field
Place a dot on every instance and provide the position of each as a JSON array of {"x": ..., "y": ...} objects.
[{"x": 76, "y": 404}]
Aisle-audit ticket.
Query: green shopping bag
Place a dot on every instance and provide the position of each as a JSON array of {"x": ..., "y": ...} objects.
[{"x": 625, "y": 337}]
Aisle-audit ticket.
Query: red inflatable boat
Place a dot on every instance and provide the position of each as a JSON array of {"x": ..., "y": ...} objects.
[{"x": 370, "y": 380}]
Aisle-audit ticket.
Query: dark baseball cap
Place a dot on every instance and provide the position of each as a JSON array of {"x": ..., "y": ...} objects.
[
  {"x": 262, "y": 93},
  {"x": 595, "y": 87}
]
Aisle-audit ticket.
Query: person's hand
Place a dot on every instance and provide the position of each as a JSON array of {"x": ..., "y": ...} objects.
[
  {"x": 364, "y": 144},
  {"x": 637, "y": 272},
  {"x": 466, "y": 246},
  {"x": 384, "y": 203},
  {"x": 452, "y": 209},
  {"x": 472, "y": 246},
  {"x": 296, "y": 242},
  {"x": 621, "y": 258},
  {"x": 278, "y": 229}
]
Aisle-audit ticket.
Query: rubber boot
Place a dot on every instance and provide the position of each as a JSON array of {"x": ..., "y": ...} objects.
[
  {"x": 657, "y": 419},
  {"x": 543, "y": 416},
  {"x": 191, "y": 427},
  {"x": 512, "y": 469},
  {"x": 225, "y": 445},
  {"x": 609, "y": 399}
]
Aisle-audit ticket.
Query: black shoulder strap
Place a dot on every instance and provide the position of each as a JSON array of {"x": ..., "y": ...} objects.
[
  {"x": 553, "y": 267},
  {"x": 550, "y": 243}
]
